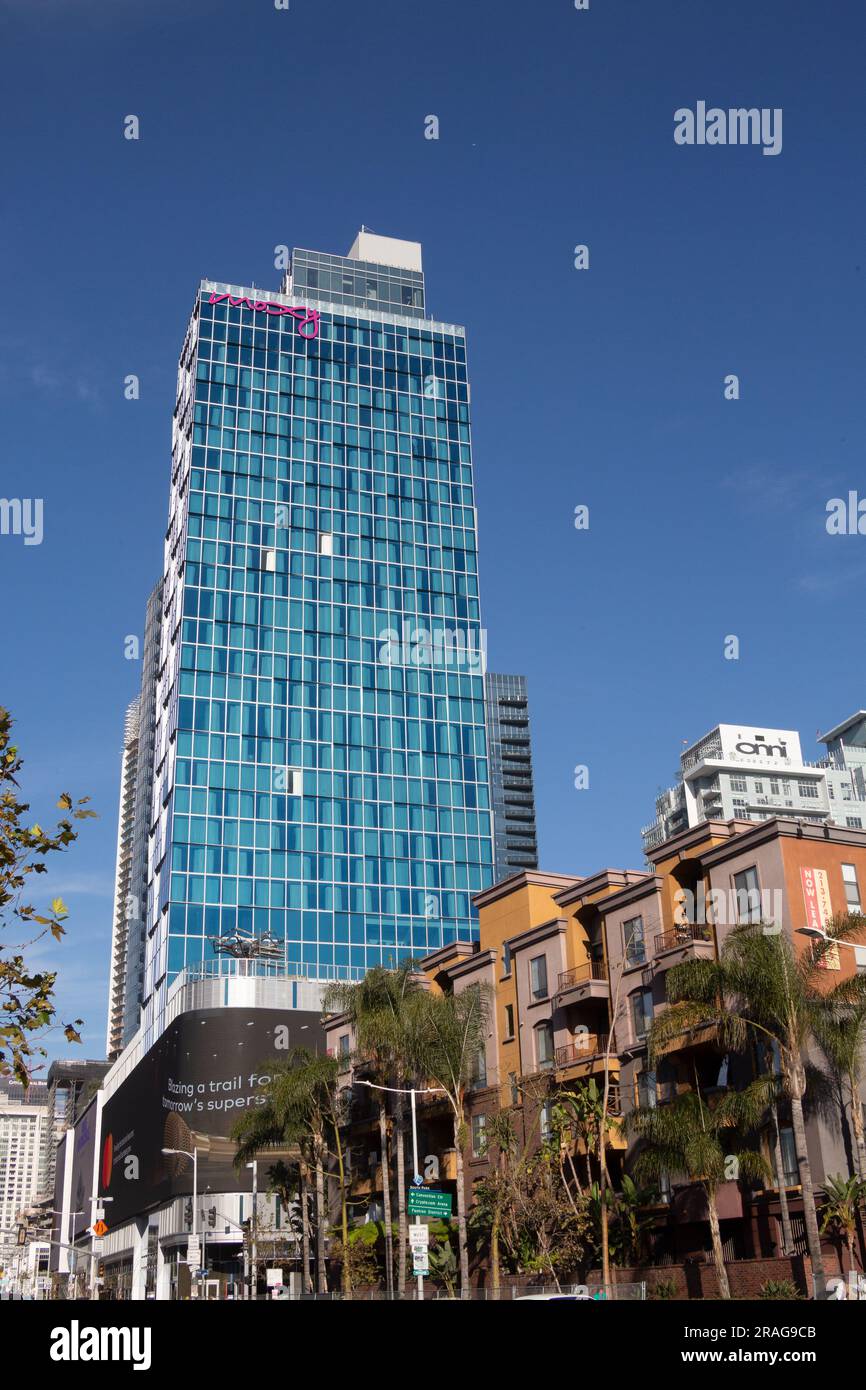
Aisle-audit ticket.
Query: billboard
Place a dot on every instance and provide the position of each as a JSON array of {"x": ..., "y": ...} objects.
[
  {"x": 83, "y": 1157},
  {"x": 819, "y": 911},
  {"x": 763, "y": 746},
  {"x": 206, "y": 1069}
]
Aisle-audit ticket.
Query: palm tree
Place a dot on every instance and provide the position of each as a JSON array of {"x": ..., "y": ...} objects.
[
  {"x": 705, "y": 1142},
  {"x": 375, "y": 1007},
  {"x": 631, "y": 1204},
  {"x": 577, "y": 1114},
  {"x": 289, "y": 1180},
  {"x": 760, "y": 986},
  {"x": 446, "y": 1035},
  {"x": 770, "y": 1054},
  {"x": 841, "y": 1033},
  {"x": 301, "y": 1108},
  {"x": 844, "y": 1199},
  {"x": 261, "y": 1130}
]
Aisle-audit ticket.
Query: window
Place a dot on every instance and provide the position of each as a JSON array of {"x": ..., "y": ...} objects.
[
  {"x": 774, "y": 786},
  {"x": 747, "y": 894},
  {"x": 538, "y": 977},
  {"x": 544, "y": 1044},
  {"x": 288, "y": 780},
  {"x": 326, "y": 543},
  {"x": 343, "y": 1050},
  {"x": 666, "y": 1082},
  {"x": 808, "y": 790},
  {"x": 515, "y": 1089},
  {"x": 852, "y": 888},
  {"x": 642, "y": 1011},
  {"x": 759, "y": 786},
  {"x": 509, "y": 1020},
  {"x": 855, "y": 822},
  {"x": 790, "y": 1166},
  {"x": 646, "y": 1090},
  {"x": 479, "y": 1136},
  {"x": 635, "y": 946},
  {"x": 506, "y": 958},
  {"x": 545, "y": 1126},
  {"x": 479, "y": 1070},
  {"x": 739, "y": 784},
  {"x": 269, "y": 560}
]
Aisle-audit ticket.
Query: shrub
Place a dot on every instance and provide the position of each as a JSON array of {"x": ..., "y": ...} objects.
[
  {"x": 780, "y": 1289},
  {"x": 665, "y": 1289}
]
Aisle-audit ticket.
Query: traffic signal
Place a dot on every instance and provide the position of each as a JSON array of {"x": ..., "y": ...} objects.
[
  {"x": 100, "y": 1269},
  {"x": 211, "y": 1216},
  {"x": 188, "y": 1213},
  {"x": 22, "y": 1235}
]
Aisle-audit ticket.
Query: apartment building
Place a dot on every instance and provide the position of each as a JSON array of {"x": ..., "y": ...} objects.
[
  {"x": 25, "y": 1122},
  {"x": 737, "y": 771},
  {"x": 577, "y": 970}
]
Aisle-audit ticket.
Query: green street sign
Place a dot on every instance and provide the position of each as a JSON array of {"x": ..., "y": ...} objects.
[{"x": 423, "y": 1201}]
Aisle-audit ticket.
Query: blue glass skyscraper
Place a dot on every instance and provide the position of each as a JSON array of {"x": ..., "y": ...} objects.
[{"x": 320, "y": 765}]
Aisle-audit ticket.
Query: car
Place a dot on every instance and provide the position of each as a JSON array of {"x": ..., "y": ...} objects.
[{"x": 554, "y": 1298}]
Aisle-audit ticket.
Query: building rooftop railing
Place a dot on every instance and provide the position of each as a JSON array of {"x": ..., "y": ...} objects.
[{"x": 256, "y": 968}]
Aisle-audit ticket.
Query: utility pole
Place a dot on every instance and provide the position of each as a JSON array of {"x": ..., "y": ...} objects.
[{"x": 95, "y": 1215}]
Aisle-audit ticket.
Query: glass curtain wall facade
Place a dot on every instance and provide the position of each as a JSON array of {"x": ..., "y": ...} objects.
[{"x": 320, "y": 763}]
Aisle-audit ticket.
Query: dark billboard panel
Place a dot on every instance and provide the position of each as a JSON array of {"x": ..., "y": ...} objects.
[
  {"x": 83, "y": 1155},
  {"x": 186, "y": 1093}
]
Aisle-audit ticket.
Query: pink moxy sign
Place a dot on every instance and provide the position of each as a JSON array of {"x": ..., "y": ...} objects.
[{"x": 308, "y": 317}]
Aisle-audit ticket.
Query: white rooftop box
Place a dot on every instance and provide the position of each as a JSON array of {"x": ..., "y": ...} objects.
[{"x": 386, "y": 250}]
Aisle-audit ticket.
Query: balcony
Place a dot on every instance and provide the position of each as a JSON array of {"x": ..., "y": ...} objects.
[
  {"x": 689, "y": 941},
  {"x": 584, "y": 982},
  {"x": 702, "y": 1035},
  {"x": 588, "y": 1049}
]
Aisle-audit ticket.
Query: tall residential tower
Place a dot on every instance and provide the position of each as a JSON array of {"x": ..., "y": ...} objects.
[
  {"x": 126, "y": 977},
  {"x": 320, "y": 761},
  {"x": 510, "y": 752}
]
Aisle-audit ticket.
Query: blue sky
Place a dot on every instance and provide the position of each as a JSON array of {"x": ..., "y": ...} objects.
[{"x": 604, "y": 387}]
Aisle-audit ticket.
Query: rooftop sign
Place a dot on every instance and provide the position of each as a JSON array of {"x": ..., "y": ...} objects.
[{"x": 308, "y": 317}]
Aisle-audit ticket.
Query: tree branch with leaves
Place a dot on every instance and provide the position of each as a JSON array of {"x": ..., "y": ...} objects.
[{"x": 27, "y": 1001}]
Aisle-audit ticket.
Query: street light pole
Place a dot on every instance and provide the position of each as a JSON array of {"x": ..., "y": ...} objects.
[
  {"x": 254, "y": 1281},
  {"x": 410, "y": 1091},
  {"x": 415, "y": 1175},
  {"x": 818, "y": 934},
  {"x": 194, "y": 1156}
]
